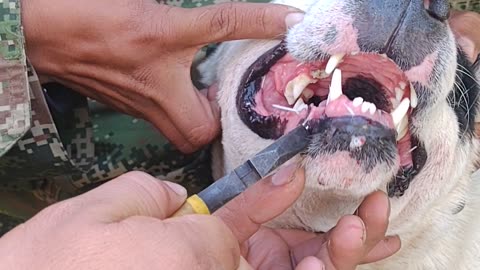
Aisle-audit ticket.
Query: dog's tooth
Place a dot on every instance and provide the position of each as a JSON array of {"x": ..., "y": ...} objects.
[
  {"x": 300, "y": 105},
  {"x": 296, "y": 86},
  {"x": 402, "y": 125},
  {"x": 394, "y": 102},
  {"x": 401, "y": 111},
  {"x": 307, "y": 93},
  {"x": 335, "y": 86},
  {"x": 372, "y": 108},
  {"x": 383, "y": 55},
  {"x": 398, "y": 93},
  {"x": 402, "y": 85},
  {"x": 401, "y": 134},
  {"x": 333, "y": 62},
  {"x": 413, "y": 97},
  {"x": 357, "y": 101},
  {"x": 365, "y": 106},
  {"x": 402, "y": 128},
  {"x": 319, "y": 74}
]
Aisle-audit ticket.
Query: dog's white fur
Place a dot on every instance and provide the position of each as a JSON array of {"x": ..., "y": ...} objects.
[{"x": 432, "y": 236}]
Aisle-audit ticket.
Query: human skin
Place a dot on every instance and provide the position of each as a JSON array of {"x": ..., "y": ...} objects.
[
  {"x": 465, "y": 27},
  {"x": 125, "y": 224},
  {"x": 136, "y": 55}
]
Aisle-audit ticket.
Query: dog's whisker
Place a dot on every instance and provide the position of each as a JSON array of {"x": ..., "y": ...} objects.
[{"x": 465, "y": 72}]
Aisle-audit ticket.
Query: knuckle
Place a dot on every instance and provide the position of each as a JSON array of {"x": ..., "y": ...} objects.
[
  {"x": 261, "y": 19},
  {"x": 225, "y": 21},
  {"x": 142, "y": 183},
  {"x": 152, "y": 190}
]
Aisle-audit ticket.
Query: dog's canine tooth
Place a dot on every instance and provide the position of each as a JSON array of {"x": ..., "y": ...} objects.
[
  {"x": 394, "y": 102},
  {"x": 333, "y": 62},
  {"x": 401, "y": 111},
  {"x": 335, "y": 86},
  {"x": 402, "y": 85},
  {"x": 357, "y": 101},
  {"x": 300, "y": 105},
  {"x": 402, "y": 128},
  {"x": 413, "y": 97},
  {"x": 398, "y": 93},
  {"x": 296, "y": 86}
]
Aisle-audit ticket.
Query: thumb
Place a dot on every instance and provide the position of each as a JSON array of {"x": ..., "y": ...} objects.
[
  {"x": 133, "y": 194},
  {"x": 233, "y": 21},
  {"x": 262, "y": 202}
]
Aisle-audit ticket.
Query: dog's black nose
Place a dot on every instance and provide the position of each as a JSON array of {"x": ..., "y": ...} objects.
[
  {"x": 438, "y": 9},
  {"x": 403, "y": 30}
]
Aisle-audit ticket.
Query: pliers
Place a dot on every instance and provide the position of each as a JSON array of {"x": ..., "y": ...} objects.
[{"x": 247, "y": 174}]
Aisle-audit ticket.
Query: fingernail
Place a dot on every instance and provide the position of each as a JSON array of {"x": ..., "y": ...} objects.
[
  {"x": 285, "y": 175},
  {"x": 178, "y": 189},
  {"x": 293, "y": 19}
]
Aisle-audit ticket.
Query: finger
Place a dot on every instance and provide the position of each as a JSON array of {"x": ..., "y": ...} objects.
[
  {"x": 296, "y": 237},
  {"x": 374, "y": 211},
  {"x": 231, "y": 21},
  {"x": 151, "y": 112},
  {"x": 267, "y": 250},
  {"x": 187, "y": 242},
  {"x": 310, "y": 263},
  {"x": 262, "y": 202},
  {"x": 190, "y": 112},
  {"x": 344, "y": 248},
  {"x": 133, "y": 194},
  {"x": 160, "y": 119},
  {"x": 384, "y": 249},
  {"x": 211, "y": 92}
]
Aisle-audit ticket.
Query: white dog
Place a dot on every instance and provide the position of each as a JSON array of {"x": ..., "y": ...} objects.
[{"x": 394, "y": 101}]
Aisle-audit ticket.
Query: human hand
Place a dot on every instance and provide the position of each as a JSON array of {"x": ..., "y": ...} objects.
[
  {"x": 124, "y": 224},
  {"x": 129, "y": 216},
  {"x": 355, "y": 240},
  {"x": 465, "y": 26},
  {"x": 136, "y": 55}
]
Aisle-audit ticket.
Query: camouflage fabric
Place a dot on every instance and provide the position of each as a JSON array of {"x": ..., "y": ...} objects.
[{"x": 55, "y": 143}]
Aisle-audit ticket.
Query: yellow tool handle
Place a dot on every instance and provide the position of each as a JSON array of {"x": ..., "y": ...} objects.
[{"x": 193, "y": 205}]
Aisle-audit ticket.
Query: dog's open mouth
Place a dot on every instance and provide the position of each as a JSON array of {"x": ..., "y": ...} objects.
[{"x": 280, "y": 93}]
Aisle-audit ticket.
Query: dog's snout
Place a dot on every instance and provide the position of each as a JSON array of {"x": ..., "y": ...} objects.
[
  {"x": 397, "y": 28},
  {"x": 438, "y": 9}
]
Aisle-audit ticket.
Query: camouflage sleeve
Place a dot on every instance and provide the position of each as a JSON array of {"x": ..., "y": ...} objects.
[
  {"x": 14, "y": 94},
  {"x": 471, "y": 5}
]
